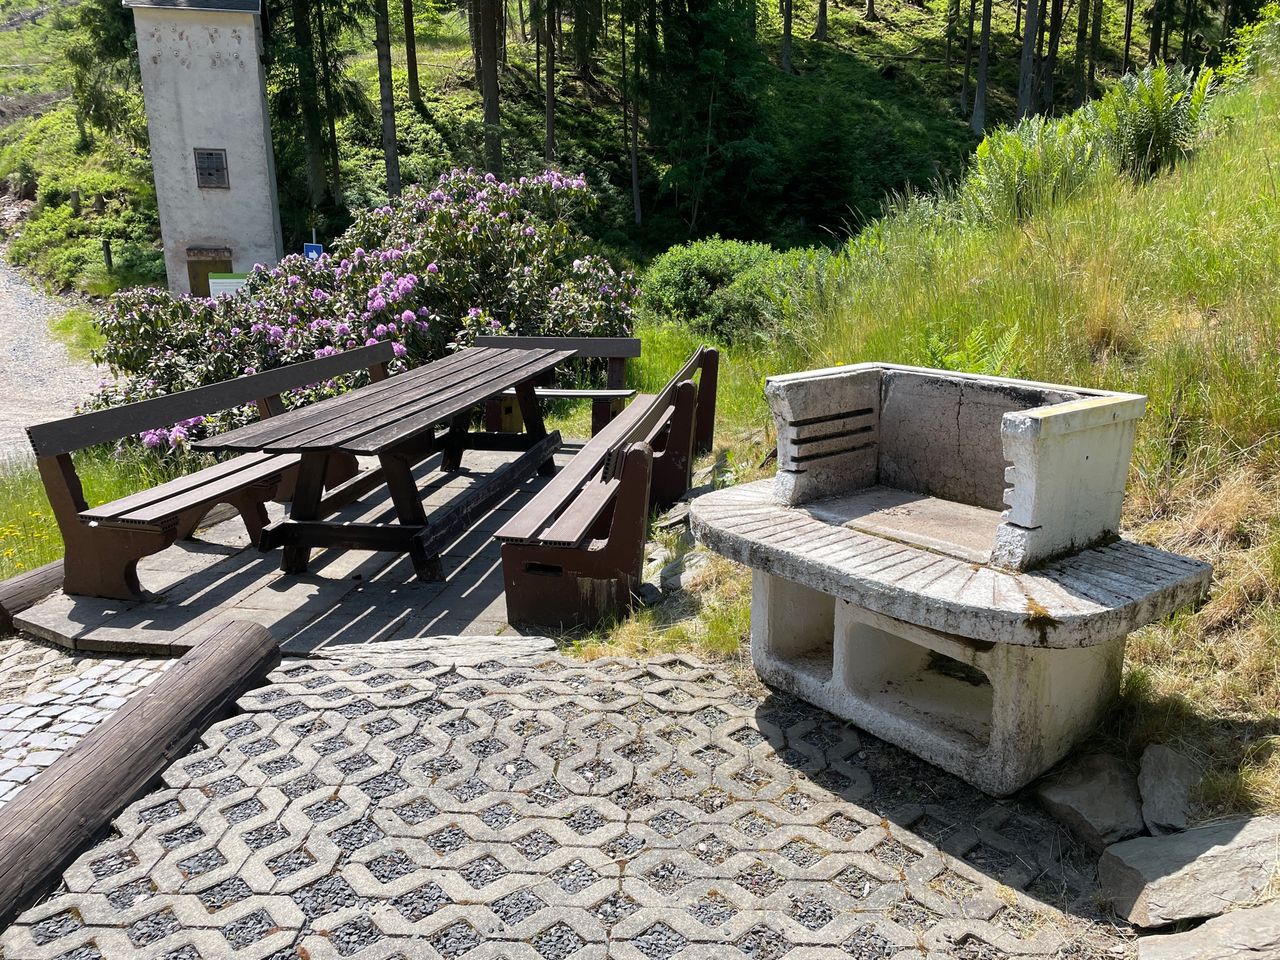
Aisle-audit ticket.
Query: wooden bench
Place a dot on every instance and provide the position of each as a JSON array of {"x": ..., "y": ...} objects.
[
  {"x": 104, "y": 543},
  {"x": 503, "y": 414},
  {"x": 573, "y": 555}
]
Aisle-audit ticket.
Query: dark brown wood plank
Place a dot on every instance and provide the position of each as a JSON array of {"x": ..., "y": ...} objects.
[
  {"x": 228, "y": 470},
  {"x": 254, "y": 436},
  {"x": 362, "y": 410},
  {"x": 102, "y": 426},
  {"x": 547, "y": 503},
  {"x": 413, "y": 423},
  {"x": 463, "y": 514},
  {"x": 620, "y": 347},
  {"x": 212, "y": 491},
  {"x": 666, "y": 397},
  {"x": 393, "y": 537},
  {"x": 71, "y": 803},
  {"x": 307, "y": 493},
  {"x": 555, "y": 393},
  {"x": 27, "y": 589},
  {"x": 573, "y": 525}
]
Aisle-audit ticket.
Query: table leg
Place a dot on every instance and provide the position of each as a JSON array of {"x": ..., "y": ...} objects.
[
  {"x": 454, "y": 442},
  {"x": 307, "y": 493},
  {"x": 398, "y": 471},
  {"x": 531, "y": 413}
]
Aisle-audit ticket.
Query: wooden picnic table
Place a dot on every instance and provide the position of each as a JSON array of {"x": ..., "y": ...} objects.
[{"x": 395, "y": 420}]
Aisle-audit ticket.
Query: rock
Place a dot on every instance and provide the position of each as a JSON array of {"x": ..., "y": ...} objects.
[
  {"x": 680, "y": 572},
  {"x": 1201, "y": 872},
  {"x": 648, "y": 595},
  {"x": 1165, "y": 781},
  {"x": 1096, "y": 798},
  {"x": 675, "y": 517},
  {"x": 1252, "y": 934}
]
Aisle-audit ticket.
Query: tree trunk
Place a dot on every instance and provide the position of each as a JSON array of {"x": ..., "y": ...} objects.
[
  {"x": 1188, "y": 17},
  {"x": 382, "y": 41},
  {"x": 1017, "y": 19},
  {"x": 473, "y": 29},
  {"x": 869, "y": 12},
  {"x": 953, "y": 24},
  {"x": 331, "y": 109},
  {"x": 1082, "y": 47},
  {"x": 820, "y": 31},
  {"x": 1027, "y": 64},
  {"x": 1050, "y": 67},
  {"x": 411, "y": 54},
  {"x": 786, "y": 35},
  {"x": 1094, "y": 41},
  {"x": 489, "y": 86},
  {"x": 634, "y": 145},
  {"x": 549, "y": 145},
  {"x": 968, "y": 58},
  {"x": 1157, "y": 30},
  {"x": 524, "y": 30},
  {"x": 1126, "y": 63},
  {"x": 978, "y": 121},
  {"x": 313, "y": 139}
]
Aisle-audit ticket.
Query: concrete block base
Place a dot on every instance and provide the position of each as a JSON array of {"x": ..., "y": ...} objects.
[{"x": 996, "y": 715}]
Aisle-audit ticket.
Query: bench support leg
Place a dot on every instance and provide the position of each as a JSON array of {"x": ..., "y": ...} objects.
[
  {"x": 106, "y": 564},
  {"x": 580, "y": 586},
  {"x": 673, "y": 466},
  {"x": 306, "y": 506},
  {"x": 398, "y": 471},
  {"x": 535, "y": 429}
]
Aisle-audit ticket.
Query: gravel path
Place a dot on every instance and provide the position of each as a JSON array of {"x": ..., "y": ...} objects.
[{"x": 38, "y": 380}]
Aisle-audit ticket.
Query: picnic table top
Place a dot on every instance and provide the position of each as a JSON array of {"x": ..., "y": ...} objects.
[
  {"x": 383, "y": 415},
  {"x": 1080, "y": 600}
]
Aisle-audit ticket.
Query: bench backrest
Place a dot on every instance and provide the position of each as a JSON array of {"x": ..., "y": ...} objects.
[
  {"x": 622, "y": 348},
  {"x": 59, "y": 437},
  {"x": 601, "y": 460}
]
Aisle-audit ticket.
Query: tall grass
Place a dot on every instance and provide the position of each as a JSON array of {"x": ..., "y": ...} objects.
[{"x": 1164, "y": 284}]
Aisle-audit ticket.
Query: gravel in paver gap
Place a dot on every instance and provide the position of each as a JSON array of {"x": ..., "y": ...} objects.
[
  {"x": 278, "y": 765},
  {"x": 448, "y": 839},
  {"x": 331, "y": 746},
  {"x": 290, "y": 863},
  {"x": 380, "y": 726},
  {"x": 517, "y": 907},
  {"x": 760, "y": 879},
  {"x": 558, "y": 941},
  {"x": 242, "y": 729},
  {"x": 161, "y": 812},
  {"x": 202, "y": 862},
  {"x": 355, "y": 935},
  {"x": 499, "y": 816},
  {"x": 325, "y": 809},
  {"x": 811, "y": 911},
  {"x": 324, "y": 896},
  {"x": 249, "y": 929},
  {"x": 866, "y": 944},
  {"x": 912, "y": 914},
  {"x": 224, "y": 894},
  {"x": 617, "y": 906},
  {"x": 421, "y": 902},
  {"x": 289, "y": 711},
  {"x": 186, "y": 952},
  {"x": 224, "y": 787},
  {"x": 623, "y": 846},
  {"x": 180, "y": 837},
  {"x": 383, "y": 785},
  {"x": 390, "y": 867},
  {"x": 660, "y": 942},
  {"x": 135, "y": 891},
  {"x": 470, "y": 790},
  {"x": 668, "y": 877},
  {"x": 265, "y": 836},
  {"x": 257, "y": 748},
  {"x": 575, "y": 876},
  {"x": 483, "y": 871},
  {"x": 354, "y": 763},
  {"x": 669, "y": 823},
  {"x": 713, "y": 910},
  {"x": 245, "y": 810},
  {"x": 152, "y": 928},
  {"x": 416, "y": 811},
  {"x": 440, "y": 766},
  {"x": 536, "y": 844},
  {"x": 56, "y": 927},
  {"x": 456, "y": 939},
  {"x": 585, "y": 820},
  {"x": 763, "y": 943},
  {"x": 87, "y": 951},
  {"x": 204, "y": 767}
]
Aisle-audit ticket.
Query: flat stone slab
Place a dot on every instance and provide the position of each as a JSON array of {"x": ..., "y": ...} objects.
[
  {"x": 351, "y": 596},
  {"x": 1252, "y": 934},
  {"x": 1096, "y": 798},
  {"x": 1086, "y": 599},
  {"x": 489, "y": 800},
  {"x": 1202, "y": 872}
]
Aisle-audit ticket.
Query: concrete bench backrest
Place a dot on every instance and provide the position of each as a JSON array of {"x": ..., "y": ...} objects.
[{"x": 1054, "y": 458}]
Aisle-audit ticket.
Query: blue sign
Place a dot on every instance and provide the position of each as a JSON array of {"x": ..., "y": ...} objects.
[{"x": 312, "y": 251}]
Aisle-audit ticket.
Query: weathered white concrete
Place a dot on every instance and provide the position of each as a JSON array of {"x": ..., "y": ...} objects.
[
  {"x": 203, "y": 81},
  {"x": 953, "y": 436},
  {"x": 891, "y": 588}
]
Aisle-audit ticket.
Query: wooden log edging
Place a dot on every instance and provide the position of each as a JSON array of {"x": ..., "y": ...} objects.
[
  {"x": 27, "y": 589},
  {"x": 71, "y": 803}
]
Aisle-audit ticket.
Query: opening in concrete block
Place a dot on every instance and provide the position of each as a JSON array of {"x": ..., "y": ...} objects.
[
  {"x": 802, "y": 628},
  {"x": 929, "y": 689}
]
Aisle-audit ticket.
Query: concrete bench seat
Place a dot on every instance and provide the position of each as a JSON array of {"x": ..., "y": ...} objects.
[{"x": 891, "y": 588}]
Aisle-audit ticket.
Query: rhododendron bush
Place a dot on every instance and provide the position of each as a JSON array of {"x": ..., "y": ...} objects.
[{"x": 428, "y": 272}]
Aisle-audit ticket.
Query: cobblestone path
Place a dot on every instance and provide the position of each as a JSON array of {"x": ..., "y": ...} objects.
[
  {"x": 51, "y": 698},
  {"x": 388, "y": 803}
]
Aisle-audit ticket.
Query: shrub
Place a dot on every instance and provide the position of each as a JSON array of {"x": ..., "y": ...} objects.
[
  {"x": 427, "y": 272},
  {"x": 679, "y": 284},
  {"x": 1149, "y": 120},
  {"x": 764, "y": 301}
]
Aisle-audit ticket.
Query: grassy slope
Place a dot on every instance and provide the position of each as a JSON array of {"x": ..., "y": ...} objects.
[{"x": 1170, "y": 289}]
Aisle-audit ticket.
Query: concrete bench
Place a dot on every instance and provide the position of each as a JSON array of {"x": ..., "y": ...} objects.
[{"x": 938, "y": 560}]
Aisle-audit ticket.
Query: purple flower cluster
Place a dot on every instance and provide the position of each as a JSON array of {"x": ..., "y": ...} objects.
[{"x": 427, "y": 272}]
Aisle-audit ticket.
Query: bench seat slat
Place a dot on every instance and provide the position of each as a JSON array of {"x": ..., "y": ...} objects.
[
  {"x": 573, "y": 525},
  {"x": 548, "y": 502},
  {"x": 156, "y": 504},
  {"x": 557, "y": 393}
]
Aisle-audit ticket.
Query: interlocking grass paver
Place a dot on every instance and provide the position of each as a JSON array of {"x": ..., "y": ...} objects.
[{"x": 414, "y": 804}]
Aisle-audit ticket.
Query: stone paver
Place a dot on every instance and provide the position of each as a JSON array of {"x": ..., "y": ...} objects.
[
  {"x": 49, "y": 699},
  {"x": 479, "y": 799}
]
